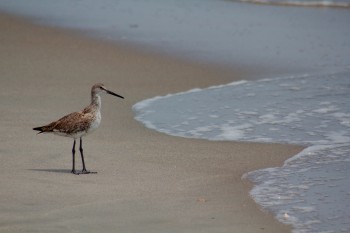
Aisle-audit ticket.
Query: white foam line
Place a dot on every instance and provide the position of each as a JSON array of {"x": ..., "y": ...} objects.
[{"x": 300, "y": 3}]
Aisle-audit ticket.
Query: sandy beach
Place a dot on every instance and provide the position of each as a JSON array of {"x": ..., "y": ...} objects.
[{"x": 146, "y": 181}]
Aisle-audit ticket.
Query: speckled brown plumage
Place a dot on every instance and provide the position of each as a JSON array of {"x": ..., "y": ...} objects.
[{"x": 72, "y": 123}]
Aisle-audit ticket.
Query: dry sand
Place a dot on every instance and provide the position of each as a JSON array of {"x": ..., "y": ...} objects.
[{"x": 146, "y": 181}]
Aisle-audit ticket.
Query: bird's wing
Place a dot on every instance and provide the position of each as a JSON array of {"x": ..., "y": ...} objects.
[{"x": 69, "y": 124}]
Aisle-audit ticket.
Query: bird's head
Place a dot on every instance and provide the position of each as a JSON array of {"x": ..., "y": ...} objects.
[{"x": 100, "y": 88}]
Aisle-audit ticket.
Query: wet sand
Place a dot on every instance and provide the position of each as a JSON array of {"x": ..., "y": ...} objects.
[{"x": 146, "y": 181}]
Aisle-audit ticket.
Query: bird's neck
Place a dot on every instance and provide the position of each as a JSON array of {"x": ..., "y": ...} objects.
[{"x": 96, "y": 101}]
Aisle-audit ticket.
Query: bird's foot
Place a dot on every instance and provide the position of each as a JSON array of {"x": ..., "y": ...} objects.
[
  {"x": 84, "y": 171},
  {"x": 75, "y": 172}
]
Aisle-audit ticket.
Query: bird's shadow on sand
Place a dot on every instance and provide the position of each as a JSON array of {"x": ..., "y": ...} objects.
[
  {"x": 52, "y": 170},
  {"x": 62, "y": 171}
]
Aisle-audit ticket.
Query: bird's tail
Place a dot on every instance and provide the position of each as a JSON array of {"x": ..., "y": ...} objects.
[{"x": 40, "y": 129}]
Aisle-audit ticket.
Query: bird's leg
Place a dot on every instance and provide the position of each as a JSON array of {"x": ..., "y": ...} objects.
[
  {"x": 73, "y": 153},
  {"x": 84, "y": 171},
  {"x": 82, "y": 157}
]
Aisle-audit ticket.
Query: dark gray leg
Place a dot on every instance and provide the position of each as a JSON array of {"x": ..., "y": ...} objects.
[
  {"x": 73, "y": 153},
  {"x": 84, "y": 171},
  {"x": 82, "y": 156}
]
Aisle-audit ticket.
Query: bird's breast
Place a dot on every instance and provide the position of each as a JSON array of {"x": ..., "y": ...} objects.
[{"x": 95, "y": 123}]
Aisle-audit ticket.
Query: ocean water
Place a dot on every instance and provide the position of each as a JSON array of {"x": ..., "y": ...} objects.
[
  {"x": 210, "y": 31},
  {"x": 312, "y": 190}
]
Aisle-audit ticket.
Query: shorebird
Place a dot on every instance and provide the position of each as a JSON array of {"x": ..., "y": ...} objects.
[{"x": 79, "y": 124}]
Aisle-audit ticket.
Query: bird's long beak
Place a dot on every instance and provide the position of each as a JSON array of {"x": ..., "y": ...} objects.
[{"x": 112, "y": 93}]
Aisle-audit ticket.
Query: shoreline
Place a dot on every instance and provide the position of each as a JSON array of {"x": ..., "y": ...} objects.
[{"x": 146, "y": 180}]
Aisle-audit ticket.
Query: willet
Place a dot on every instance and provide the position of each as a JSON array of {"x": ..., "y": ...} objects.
[{"x": 79, "y": 124}]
